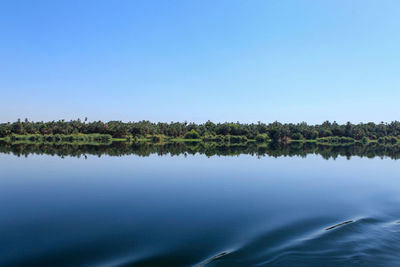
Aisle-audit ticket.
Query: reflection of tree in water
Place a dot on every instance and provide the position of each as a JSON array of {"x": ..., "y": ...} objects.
[{"x": 209, "y": 149}]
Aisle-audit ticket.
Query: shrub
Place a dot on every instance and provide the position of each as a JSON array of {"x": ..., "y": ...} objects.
[
  {"x": 156, "y": 139},
  {"x": 260, "y": 138},
  {"x": 192, "y": 134},
  {"x": 364, "y": 140},
  {"x": 238, "y": 139},
  {"x": 297, "y": 136}
]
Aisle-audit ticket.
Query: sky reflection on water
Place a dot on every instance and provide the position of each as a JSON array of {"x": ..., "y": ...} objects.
[{"x": 181, "y": 211}]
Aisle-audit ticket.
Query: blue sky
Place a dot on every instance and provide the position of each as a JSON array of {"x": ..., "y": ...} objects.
[{"x": 223, "y": 60}]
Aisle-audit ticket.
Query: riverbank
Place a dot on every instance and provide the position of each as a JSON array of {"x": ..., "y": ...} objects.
[
  {"x": 228, "y": 139},
  {"x": 59, "y": 139}
]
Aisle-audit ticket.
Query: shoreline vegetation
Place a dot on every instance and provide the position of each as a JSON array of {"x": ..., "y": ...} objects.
[
  {"x": 227, "y": 140},
  {"x": 145, "y": 149},
  {"x": 83, "y": 132}
]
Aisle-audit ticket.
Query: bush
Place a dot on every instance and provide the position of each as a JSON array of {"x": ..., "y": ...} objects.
[
  {"x": 192, "y": 134},
  {"x": 227, "y": 138},
  {"x": 219, "y": 138},
  {"x": 260, "y": 138},
  {"x": 238, "y": 139},
  {"x": 156, "y": 139},
  {"x": 297, "y": 136}
]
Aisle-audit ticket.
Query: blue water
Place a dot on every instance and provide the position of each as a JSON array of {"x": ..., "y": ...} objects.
[{"x": 198, "y": 210}]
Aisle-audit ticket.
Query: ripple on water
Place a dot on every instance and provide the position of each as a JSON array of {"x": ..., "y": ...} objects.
[{"x": 357, "y": 242}]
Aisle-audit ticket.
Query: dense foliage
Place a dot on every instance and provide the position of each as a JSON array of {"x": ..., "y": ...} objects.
[{"x": 385, "y": 132}]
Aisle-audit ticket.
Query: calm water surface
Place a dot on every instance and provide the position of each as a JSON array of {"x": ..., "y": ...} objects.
[{"x": 198, "y": 210}]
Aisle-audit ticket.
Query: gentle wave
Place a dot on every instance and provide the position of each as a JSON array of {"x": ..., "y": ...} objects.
[{"x": 348, "y": 243}]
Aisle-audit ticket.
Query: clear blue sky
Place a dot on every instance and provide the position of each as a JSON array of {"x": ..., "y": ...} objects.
[{"x": 247, "y": 61}]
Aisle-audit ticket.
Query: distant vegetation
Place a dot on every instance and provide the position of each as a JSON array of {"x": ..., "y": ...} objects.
[{"x": 83, "y": 131}]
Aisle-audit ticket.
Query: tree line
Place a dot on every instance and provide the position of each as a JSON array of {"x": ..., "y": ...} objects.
[{"x": 275, "y": 131}]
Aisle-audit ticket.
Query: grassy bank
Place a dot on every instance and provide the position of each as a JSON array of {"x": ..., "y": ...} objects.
[
  {"x": 219, "y": 139},
  {"x": 59, "y": 139},
  {"x": 185, "y": 140}
]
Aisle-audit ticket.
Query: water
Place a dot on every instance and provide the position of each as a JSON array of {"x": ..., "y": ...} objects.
[{"x": 198, "y": 209}]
